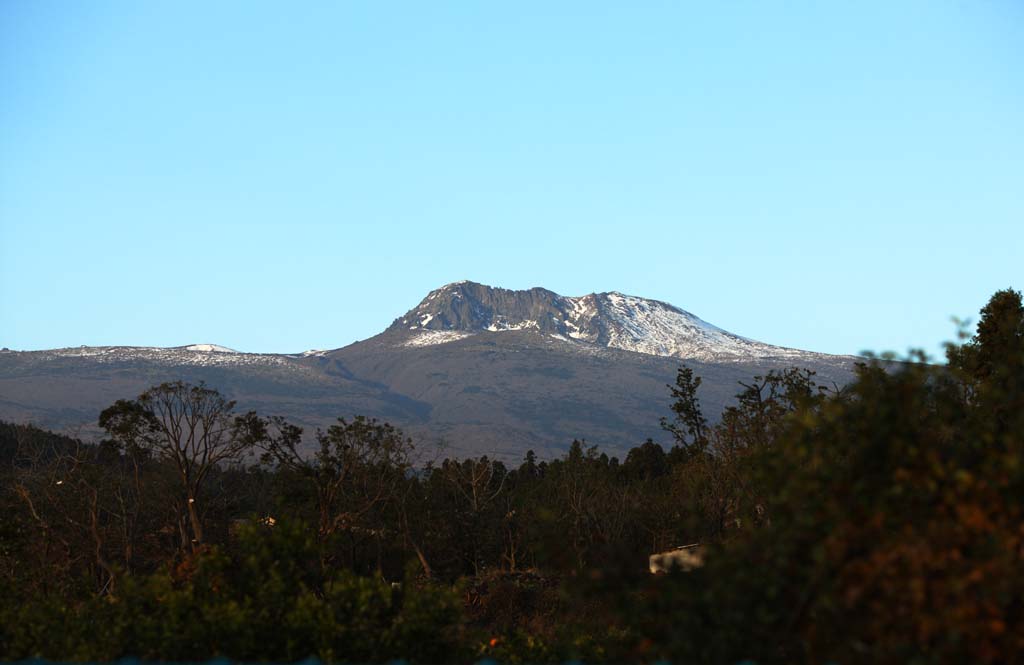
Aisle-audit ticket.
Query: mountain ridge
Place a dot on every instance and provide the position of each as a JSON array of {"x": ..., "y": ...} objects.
[
  {"x": 478, "y": 369},
  {"x": 610, "y": 319}
]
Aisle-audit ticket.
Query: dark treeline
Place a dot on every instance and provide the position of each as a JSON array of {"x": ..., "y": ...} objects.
[{"x": 880, "y": 522}]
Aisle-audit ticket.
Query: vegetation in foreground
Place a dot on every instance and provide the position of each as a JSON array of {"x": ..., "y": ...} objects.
[{"x": 878, "y": 523}]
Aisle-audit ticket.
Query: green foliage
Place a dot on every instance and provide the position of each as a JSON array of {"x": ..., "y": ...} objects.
[
  {"x": 894, "y": 533},
  {"x": 689, "y": 428},
  {"x": 265, "y": 600}
]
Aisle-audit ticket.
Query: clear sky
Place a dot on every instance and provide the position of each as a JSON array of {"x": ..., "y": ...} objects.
[{"x": 274, "y": 176}]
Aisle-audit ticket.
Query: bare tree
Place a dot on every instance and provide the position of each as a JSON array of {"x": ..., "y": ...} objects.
[
  {"x": 477, "y": 484},
  {"x": 191, "y": 427},
  {"x": 62, "y": 488}
]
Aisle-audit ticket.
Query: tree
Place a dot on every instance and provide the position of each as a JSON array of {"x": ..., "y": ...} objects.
[
  {"x": 762, "y": 406},
  {"x": 991, "y": 364},
  {"x": 356, "y": 469},
  {"x": 646, "y": 462},
  {"x": 895, "y": 532},
  {"x": 689, "y": 426},
  {"x": 593, "y": 508},
  {"x": 190, "y": 427},
  {"x": 998, "y": 344},
  {"x": 475, "y": 486}
]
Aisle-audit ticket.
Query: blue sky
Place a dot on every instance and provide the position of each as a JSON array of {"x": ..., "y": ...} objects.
[{"x": 278, "y": 177}]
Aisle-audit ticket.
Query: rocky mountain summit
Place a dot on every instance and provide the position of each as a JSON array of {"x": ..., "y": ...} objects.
[
  {"x": 611, "y": 320},
  {"x": 474, "y": 368}
]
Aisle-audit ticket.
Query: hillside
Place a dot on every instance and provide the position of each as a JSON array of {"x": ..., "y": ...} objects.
[{"x": 474, "y": 368}]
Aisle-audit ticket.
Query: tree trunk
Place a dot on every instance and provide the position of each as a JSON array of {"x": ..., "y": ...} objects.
[
  {"x": 197, "y": 527},
  {"x": 423, "y": 560}
]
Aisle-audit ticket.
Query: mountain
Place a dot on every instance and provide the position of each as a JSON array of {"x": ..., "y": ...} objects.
[
  {"x": 610, "y": 320},
  {"x": 472, "y": 368}
]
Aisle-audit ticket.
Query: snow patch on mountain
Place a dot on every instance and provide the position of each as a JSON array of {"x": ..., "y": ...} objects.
[
  {"x": 434, "y": 337},
  {"x": 659, "y": 329},
  {"x": 200, "y": 355},
  {"x": 215, "y": 348},
  {"x": 501, "y": 324}
]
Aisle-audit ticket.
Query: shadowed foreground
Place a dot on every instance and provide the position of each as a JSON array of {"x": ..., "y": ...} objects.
[{"x": 877, "y": 523}]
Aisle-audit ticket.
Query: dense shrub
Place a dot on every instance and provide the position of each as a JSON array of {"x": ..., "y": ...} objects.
[
  {"x": 895, "y": 530},
  {"x": 265, "y": 600}
]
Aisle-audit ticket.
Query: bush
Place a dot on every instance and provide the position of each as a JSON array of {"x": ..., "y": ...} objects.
[
  {"x": 894, "y": 536},
  {"x": 266, "y": 600}
]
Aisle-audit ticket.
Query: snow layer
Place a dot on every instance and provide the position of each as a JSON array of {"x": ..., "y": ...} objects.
[
  {"x": 501, "y": 324},
  {"x": 201, "y": 355},
  {"x": 659, "y": 329},
  {"x": 210, "y": 347},
  {"x": 434, "y": 337}
]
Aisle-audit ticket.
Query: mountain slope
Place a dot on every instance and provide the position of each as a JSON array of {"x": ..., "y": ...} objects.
[
  {"x": 475, "y": 368},
  {"x": 509, "y": 370}
]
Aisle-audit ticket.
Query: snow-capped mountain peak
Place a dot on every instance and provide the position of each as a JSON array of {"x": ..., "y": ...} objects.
[{"x": 613, "y": 320}]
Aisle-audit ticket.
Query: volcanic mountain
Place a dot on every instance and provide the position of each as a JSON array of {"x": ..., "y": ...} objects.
[
  {"x": 610, "y": 320},
  {"x": 472, "y": 368}
]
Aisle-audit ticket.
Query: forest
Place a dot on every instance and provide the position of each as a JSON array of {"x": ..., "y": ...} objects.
[{"x": 877, "y": 522}]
